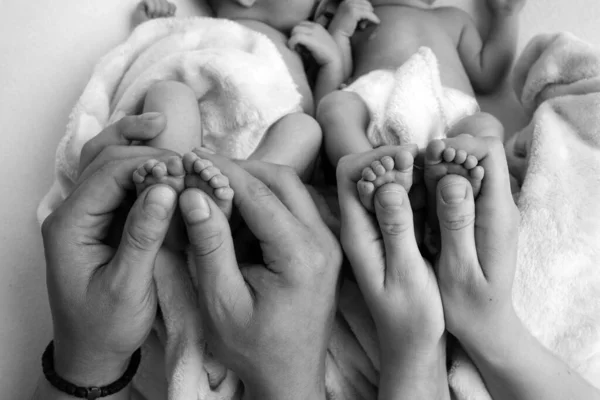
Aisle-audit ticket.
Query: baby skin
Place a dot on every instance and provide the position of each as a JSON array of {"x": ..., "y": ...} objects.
[
  {"x": 395, "y": 32},
  {"x": 478, "y": 224},
  {"x": 191, "y": 171}
]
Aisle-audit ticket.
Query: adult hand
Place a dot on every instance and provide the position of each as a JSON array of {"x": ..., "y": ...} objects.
[
  {"x": 270, "y": 322},
  {"x": 398, "y": 284},
  {"x": 102, "y": 299}
]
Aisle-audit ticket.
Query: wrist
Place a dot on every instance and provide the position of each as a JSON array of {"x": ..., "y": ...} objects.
[
  {"x": 419, "y": 373},
  {"x": 498, "y": 341},
  {"x": 86, "y": 369}
]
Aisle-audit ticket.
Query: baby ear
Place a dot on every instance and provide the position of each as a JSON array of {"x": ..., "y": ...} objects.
[{"x": 246, "y": 3}]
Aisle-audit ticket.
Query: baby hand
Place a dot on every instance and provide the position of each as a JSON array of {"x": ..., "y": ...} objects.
[
  {"x": 505, "y": 7},
  {"x": 317, "y": 41},
  {"x": 352, "y": 14},
  {"x": 157, "y": 8}
]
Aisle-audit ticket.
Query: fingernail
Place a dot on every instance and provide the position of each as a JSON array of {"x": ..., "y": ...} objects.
[
  {"x": 159, "y": 201},
  {"x": 150, "y": 116},
  {"x": 199, "y": 210},
  {"x": 390, "y": 198},
  {"x": 454, "y": 193}
]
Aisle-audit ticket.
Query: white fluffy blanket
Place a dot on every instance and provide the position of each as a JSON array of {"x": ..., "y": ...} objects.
[
  {"x": 557, "y": 284},
  {"x": 241, "y": 81},
  {"x": 410, "y": 105}
]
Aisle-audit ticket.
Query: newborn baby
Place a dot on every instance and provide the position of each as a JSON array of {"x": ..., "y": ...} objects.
[
  {"x": 294, "y": 140},
  {"x": 398, "y": 31}
]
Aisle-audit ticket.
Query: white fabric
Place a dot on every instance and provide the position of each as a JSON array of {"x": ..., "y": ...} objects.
[
  {"x": 410, "y": 105},
  {"x": 557, "y": 284}
]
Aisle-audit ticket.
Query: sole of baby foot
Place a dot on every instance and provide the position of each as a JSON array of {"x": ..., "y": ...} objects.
[
  {"x": 398, "y": 169},
  {"x": 204, "y": 175},
  {"x": 152, "y": 172}
]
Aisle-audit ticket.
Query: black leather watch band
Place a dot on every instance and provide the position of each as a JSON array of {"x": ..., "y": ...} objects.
[{"x": 90, "y": 393}]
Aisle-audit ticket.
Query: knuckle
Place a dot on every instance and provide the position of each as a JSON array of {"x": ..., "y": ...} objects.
[
  {"x": 210, "y": 242},
  {"x": 140, "y": 237},
  {"x": 456, "y": 220},
  {"x": 257, "y": 190},
  {"x": 396, "y": 228}
]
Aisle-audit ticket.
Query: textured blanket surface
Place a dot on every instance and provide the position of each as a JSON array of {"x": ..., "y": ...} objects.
[
  {"x": 240, "y": 79},
  {"x": 410, "y": 105}
]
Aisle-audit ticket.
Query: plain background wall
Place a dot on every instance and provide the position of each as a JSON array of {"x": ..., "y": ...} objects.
[{"x": 47, "y": 51}]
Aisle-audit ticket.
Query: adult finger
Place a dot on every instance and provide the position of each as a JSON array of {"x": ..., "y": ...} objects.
[
  {"x": 214, "y": 255},
  {"x": 135, "y": 127},
  {"x": 288, "y": 187},
  {"x": 266, "y": 216},
  {"x": 101, "y": 193},
  {"x": 456, "y": 214},
  {"x": 395, "y": 219},
  {"x": 360, "y": 238},
  {"x": 145, "y": 230}
]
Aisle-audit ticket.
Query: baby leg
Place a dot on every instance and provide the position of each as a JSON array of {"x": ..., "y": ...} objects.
[
  {"x": 202, "y": 174},
  {"x": 478, "y": 125},
  {"x": 294, "y": 141},
  {"x": 179, "y": 104},
  {"x": 345, "y": 118},
  {"x": 183, "y": 133}
]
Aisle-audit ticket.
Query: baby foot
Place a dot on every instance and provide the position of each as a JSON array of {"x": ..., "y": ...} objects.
[
  {"x": 385, "y": 170},
  {"x": 153, "y": 171},
  {"x": 202, "y": 174}
]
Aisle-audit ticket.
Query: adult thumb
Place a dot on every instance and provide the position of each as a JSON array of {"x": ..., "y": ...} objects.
[
  {"x": 144, "y": 233},
  {"x": 212, "y": 249}
]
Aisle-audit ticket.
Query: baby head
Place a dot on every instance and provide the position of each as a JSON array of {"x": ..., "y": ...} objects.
[{"x": 282, "y": 15}]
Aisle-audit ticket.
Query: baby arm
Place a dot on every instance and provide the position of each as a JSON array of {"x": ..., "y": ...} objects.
[
  {"x": 488, "y": 62},
  {"x": 321, "y": 46},
  {"x": 351, "y": 15}
]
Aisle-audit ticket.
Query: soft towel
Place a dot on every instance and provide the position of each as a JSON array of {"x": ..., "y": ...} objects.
[
  {"x": 557, "y": 284},
  {"x": 410, "y": 105},
  {"x": 241, "y": 81}
]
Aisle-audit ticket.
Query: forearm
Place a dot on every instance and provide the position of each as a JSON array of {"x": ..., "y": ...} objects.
[
  {"x": 421, "y": 375},
  {"x": 329, "y": 79},
  {"x": 345, "y": 48},
  {"x": 497, "y": 53},
  {"x": 515, "y": 366}
]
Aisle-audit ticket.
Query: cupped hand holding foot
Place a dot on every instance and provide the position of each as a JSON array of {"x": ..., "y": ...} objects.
[
  {"x": 269, "y": 322},
  {"x": 476, "y": 268},
  {"x": 103, "y": 299},
  {"x": 399, "y": 285}
]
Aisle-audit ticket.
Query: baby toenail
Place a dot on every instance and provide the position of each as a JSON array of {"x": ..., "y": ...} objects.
[
  {"x": 159, "y": 201},
  {"x": 390, "y": 198},
  {"x": 454, "y": 193}
]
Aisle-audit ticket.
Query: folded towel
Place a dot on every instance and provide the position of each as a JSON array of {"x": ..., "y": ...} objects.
[
  {"x": 557, "y": 284},
  {"x": 242, "y": 83},
  {"x": 410, "y": 105}
]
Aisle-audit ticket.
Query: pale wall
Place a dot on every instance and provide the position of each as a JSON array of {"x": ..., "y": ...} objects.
[{"x": 47, "y": 50}]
